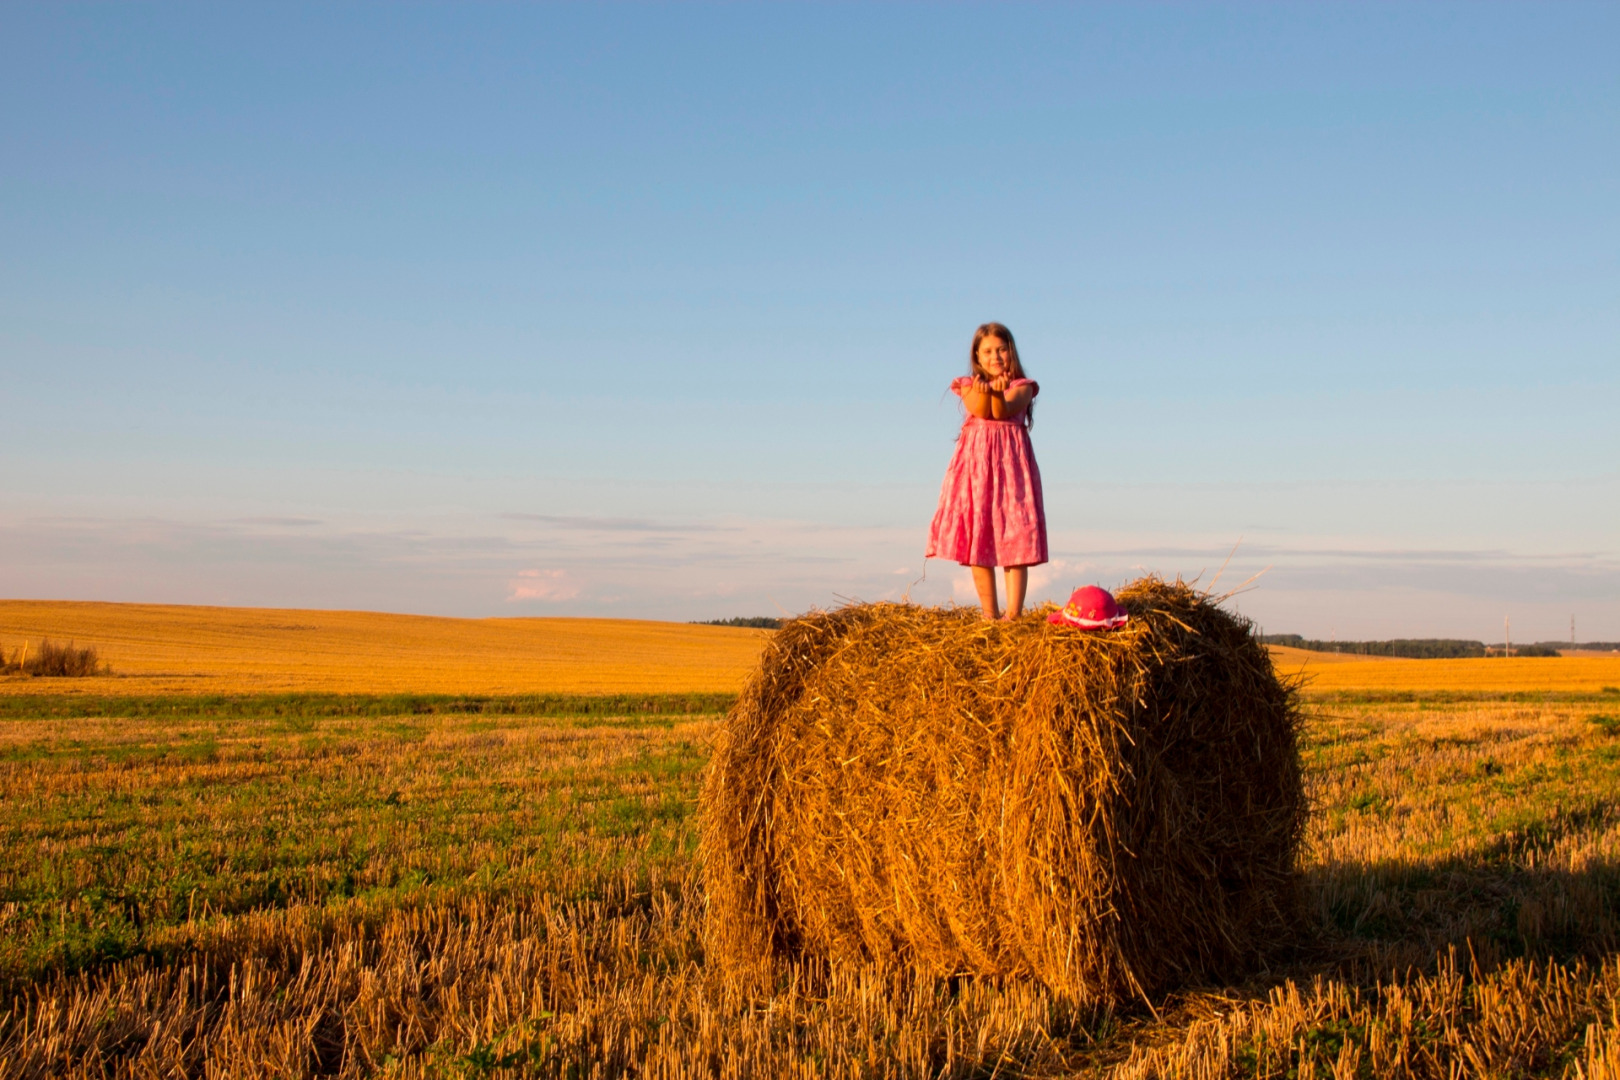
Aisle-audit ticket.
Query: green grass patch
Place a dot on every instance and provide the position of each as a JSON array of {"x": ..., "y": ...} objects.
[
  {"x": 116, "y": 831},
  {"x": 314, "y": 706}
]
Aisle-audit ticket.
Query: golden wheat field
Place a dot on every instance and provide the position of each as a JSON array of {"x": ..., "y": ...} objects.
[
  {"x": 170, "y": 649},
  {"x": 1509, "y": 675},
  {"x": 173, "y": 649},
  {"x": 254, "y": 884}
]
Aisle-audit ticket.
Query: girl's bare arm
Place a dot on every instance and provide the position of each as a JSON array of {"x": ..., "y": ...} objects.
[
  {"x": 989, "y": 399},
  {"x": 1015, "y": 401},
  {"x": 979, "y": 399},
  {"x": 1008, "y": 404}
]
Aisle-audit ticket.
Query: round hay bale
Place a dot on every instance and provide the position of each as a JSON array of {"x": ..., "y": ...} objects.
[{"x": 1110, "y": 813}]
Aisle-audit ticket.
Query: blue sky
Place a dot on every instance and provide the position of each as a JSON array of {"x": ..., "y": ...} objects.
[{"x": 649, "y": 311}]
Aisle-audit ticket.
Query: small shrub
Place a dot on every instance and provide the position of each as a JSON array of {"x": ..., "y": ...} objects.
[
  {"x": 55, "y": 661},
  {"x": 1609, "y": 725}
]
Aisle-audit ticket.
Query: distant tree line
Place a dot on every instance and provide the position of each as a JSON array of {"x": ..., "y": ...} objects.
[
  {"x": 1413, "y": 648},
  {"x": 753, "y": 622},
  {"x": 1539, "y": 649}
]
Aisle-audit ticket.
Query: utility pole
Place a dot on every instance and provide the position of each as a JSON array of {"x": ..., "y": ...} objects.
[
  {"x": 1507, "y": 636},
  {"x": 1572, "y": 631}
]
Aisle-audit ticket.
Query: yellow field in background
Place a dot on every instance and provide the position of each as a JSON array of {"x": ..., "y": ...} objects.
[
  {"x": 1336, "y": 671},
  {"x": 169, "y": 649}
]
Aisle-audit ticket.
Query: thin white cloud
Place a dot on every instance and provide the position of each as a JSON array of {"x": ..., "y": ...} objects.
[
  {"x": 583, "y": 523},
  {"x": 764, "y": 566},
  {"x": 1040, "y": 577},
  {"x": 962, "y": 587},
  {"x": 280, "y": 522},
  {"x": 551, "y": 586}
]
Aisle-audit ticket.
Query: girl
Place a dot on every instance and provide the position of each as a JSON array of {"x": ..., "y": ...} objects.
[{"x": 990, "y": 511}]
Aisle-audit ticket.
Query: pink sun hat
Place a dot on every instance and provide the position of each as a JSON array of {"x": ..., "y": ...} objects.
[{"x": 1090, "y": 608}]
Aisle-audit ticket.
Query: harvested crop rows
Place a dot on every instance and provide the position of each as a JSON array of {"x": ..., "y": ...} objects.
[{"x": 492, "y": 893}]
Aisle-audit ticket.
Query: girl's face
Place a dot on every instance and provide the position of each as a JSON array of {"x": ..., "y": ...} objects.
[{"x": 994, "y": 356}]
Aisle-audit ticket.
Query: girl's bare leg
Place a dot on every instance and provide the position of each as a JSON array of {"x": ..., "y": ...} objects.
[
  {"x": 1017, "y": 579},
  {"x": 984, "y": 579}
]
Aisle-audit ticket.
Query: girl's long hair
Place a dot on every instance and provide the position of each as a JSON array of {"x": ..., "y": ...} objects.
[{"x": 1016, "y": 371}]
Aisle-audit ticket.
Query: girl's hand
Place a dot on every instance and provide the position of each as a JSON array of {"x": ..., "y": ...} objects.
[
  {"x": 999, "y": 383},
  {"x": 976, "y": 398}
]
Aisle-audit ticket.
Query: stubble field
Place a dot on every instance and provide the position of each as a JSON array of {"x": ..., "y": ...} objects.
[{"x": 361, "y": 883}]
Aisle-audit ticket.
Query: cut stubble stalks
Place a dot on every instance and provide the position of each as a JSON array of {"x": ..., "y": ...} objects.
[{"x": 1111, "y": 814}]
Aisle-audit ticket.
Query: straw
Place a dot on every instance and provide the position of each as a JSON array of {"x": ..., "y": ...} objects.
[{"x": 1109, "y": 813}]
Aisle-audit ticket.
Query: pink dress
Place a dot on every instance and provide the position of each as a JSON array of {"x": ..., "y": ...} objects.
[{"x": 990, "y": 510}]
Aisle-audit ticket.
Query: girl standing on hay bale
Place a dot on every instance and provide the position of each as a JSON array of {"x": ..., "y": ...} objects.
[{"x": 990, "y": 510}]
